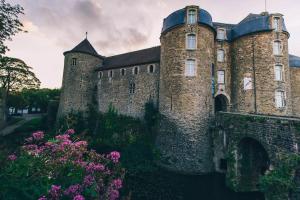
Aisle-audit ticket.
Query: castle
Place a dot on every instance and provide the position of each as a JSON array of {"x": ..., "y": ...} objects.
[{"x": 201, "y": 67}]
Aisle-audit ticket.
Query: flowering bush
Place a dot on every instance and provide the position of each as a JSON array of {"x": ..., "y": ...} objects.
[{"x": 61, "y": 168}]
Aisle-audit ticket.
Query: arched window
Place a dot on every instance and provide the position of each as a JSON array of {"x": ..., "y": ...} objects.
[
  {"x": 100, "y": 75},
  {"x": 123, "y": 72},
  {"x": 190, "y": 67},
  {"x": 221, "y": 55},
  {"x": 280, "y": 98},
  {"x": 191, "y": 41},
  {"x": 221, "y": 34},
  {"x": 151, "y": 69},
  {"x": 278, "y": 72},
  {"x": 135, "y": 70},
  {"x": 192, "y": 16},
  {"x": 131, "y": 88},
  {"x": 277, "y": 49}
]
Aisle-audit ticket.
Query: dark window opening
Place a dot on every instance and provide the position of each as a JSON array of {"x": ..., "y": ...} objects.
[
  {"x": 132, "y": 88},
  {"x": 223, "y": 164},
  {"x": 136, "y": 70},
  {"x": 74, "y": 61},
  {"x": 123, "y": 72},
  {"x": 151, "y": 68},
  {"x": 221, "y": 103}
]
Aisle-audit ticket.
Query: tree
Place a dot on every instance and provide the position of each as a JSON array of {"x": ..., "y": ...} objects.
[
  {"x": 16, "y": 75},
  {"x": 9, "y": 23}
]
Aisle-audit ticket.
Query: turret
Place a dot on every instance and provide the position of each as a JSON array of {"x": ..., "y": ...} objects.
[
  {"x": 186, "y": 100},
  {"x": 79, "y": 78}
]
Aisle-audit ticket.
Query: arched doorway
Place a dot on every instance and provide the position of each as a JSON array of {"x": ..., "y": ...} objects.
[
  {"x": 221, "y": 103},
  {"x": 253, "y": 163}
]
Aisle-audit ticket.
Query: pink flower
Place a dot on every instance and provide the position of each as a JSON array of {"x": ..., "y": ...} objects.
[
  {"x": 114, "y": 194},
  {"x": 117, "y": 183},
  {"x": 92, "y": 167},
  {"x": 55, "y": 191},
  {"x": 73, "y": 190},
  {"x": 88, "y": 180},
  {"x": 70, "y": 131},
  {"x": 63, "y": 137},
  {"x": 42, "y": 198},
  {"x": 115, "y": 156},
  {"x": 78, "y": 197},
  {"x": 38, "y": 135},
  {"x": 12, "y": 157},
  {"x": 81, "y": 143}
]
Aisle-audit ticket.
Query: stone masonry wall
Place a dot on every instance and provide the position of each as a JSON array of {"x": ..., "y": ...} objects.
[
  {"x": 78, "y": 87},
  {"x": 115, "y": 90},
  {"x": 186, "y": 102},
  {"x": 295, "y": 88},
  {"x": 257, "y": 51},
  {"x": 275, "y": 134}
]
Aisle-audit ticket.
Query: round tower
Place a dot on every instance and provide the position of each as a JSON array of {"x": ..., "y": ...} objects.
[
  {"x": 260, "y": 66},
  {"x": 79, "y": 78},
  {"x": 185, "y": 94}
]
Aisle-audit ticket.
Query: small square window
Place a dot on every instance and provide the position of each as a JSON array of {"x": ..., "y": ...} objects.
[
  {"x": 74, "y": 61},
  {"x": 131, "y": 88}
]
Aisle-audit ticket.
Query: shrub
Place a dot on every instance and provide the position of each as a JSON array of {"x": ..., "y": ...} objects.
[{"x": 61, "y": 168}]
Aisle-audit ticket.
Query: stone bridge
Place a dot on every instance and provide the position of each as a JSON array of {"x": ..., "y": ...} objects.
[{"x": 247, "y": 145}]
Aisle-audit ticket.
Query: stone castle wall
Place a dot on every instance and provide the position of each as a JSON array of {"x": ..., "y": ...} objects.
[
  {"x": 115, "y": 90},
  {"x": 78, "y": 87},
  {"x": 295, "y": 90},
  {"x": 255, "y": 53},
  {"x": 186, "y": 103}
]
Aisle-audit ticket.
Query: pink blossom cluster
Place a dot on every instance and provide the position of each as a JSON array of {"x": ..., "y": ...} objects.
[
  {"x": 12, "y": 157},
  {"x": 100, "y": 173}
]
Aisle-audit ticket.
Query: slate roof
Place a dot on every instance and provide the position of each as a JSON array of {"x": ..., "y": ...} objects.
[
  {"x": 294, "y": 61},
  {"x": 145, "y": 56},
  {"x": 84, "y": 47}
]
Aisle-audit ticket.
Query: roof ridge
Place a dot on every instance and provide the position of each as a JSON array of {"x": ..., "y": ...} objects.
[{"x": 133, "y": 51}]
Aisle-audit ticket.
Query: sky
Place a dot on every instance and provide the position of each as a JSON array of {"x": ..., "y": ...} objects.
[{"x": 119, "y": 26}]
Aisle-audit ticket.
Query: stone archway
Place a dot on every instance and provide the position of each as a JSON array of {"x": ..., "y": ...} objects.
[
  {"x": 221, "y": 103},
  {"x": 253, "y": 162}
]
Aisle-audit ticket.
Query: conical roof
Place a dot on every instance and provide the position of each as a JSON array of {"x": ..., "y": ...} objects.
[{"x": 84, "y": 47}]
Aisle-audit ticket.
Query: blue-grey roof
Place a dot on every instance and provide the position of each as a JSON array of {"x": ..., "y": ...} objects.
[
  {"x": 251, "y": 24},
  {"x": 84, "y": 47},
  {"x": 294, "y": 61},
  {"x": 178, "y": 18}
]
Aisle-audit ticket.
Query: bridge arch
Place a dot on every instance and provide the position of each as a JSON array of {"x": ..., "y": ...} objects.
[{"x": 253, "y": 162}]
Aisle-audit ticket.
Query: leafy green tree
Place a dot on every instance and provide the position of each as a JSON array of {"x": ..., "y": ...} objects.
[
  {"x": 16, "y": 75},
  {"x": 9, "y": 22}
]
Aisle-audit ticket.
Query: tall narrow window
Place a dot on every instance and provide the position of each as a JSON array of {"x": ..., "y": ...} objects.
[
  {"x": 74, "y": 61},
  {"x": 110, "y": 74},
  {"x": 123, "y": 71},
  {"x": 192, "y": 16},
  {"x": 131, "y": 88},
  {"x": 278, "y": 73},
  {"x": 221, "y": 77},
  {"x": 190, "y": 67},
  {"x": 221, "y": 55},
  {"x": 276, "y": 24},
  {"x": 151, "y": 69},
  {"x": 135, "y": 70},
  {"x": 277, "y": 48},
  {"x": 100, "y": 74},
  {"x": 280, "y": 99},
  {"x": 221, "y": 34},
  {"x": 191, "y": 41}
]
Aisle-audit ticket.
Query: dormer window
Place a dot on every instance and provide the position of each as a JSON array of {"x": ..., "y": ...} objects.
[
  {"x": 191, "y": 41},
  {"x": 276, "y": 24},
  {"x": 192, "y": 16},
  {"x": 277, "y": 49},
  {"x": 221, "y": 34},
  {"x": 74, "y": 61}
]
